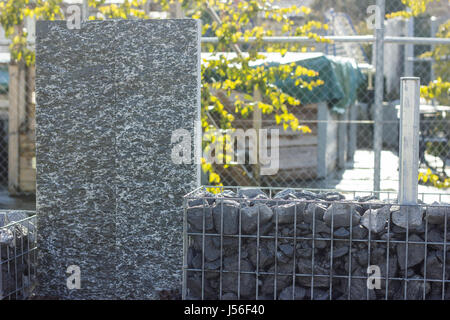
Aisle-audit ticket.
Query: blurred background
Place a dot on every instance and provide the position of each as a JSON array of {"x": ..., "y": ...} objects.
[{"x": 346, "y": 131}]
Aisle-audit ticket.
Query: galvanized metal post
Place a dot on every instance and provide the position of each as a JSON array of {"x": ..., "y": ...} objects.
[
  {"x": 379, "y": 89},
  {"x": 434, "y": 29},
  {"x": 257, "y": 125},
  {"x": 409, "y": 49},
  {"x": 409, "y": 140},
  {"x": 85, "y": 10}
]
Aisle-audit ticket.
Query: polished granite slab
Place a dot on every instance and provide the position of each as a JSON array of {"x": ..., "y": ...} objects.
[{"x": 109, "y": 96}]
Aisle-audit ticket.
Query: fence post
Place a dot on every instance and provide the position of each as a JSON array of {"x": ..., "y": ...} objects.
[
  {"x": 379, "y": 89},
  {"x": 85, "y": 10},
  {"x": 409, "y": 48},
  {"x": 409, "y": 140},
  {"x": 257, "y": 125},
  {"x": 343, "y": 139},
  {"x": 352, "y": 131},
  {"x": 434, "y": 29},
  {"x": 17, "y": 116},
  {"x": 176, "y": 12}
]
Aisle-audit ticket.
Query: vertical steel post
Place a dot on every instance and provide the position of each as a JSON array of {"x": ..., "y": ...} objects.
[
  {"x": 176, "y": 12},
  {"x": 185, "y": 250},
  {"x": 379, "y": 89},
  {"x": 85, "y": 10},
  {"x": 409, "y": 49},
  {"x": 409, "y": 140},
  {"x": 257, "y": 125},
  {"x": 434, "y": 29}
]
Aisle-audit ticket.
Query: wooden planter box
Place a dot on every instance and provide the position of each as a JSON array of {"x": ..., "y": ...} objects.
[
  {"x": 302, "y": 156},
  {"x": 306, "y": 156}
]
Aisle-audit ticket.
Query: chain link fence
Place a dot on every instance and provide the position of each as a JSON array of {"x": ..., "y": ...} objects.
[
  {"x": 339, "y": 152},
  {"x": 341, "y": 149},
  {"x": 17, "y": 140}
]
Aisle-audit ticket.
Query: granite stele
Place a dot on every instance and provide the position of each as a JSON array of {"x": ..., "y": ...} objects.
[{"x": 109, "y": 95}]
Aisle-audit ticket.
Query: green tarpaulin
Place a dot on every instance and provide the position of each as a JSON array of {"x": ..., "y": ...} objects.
[
  {"x": 342, "y": 77},
  {"x": 4, "y": 79}
]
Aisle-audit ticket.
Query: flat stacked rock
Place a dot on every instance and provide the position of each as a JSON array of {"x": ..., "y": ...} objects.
[{"x": 313, "y": 244}]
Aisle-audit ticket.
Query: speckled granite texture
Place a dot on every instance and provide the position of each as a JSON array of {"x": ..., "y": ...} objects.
[{"x": 108, "y": 195}]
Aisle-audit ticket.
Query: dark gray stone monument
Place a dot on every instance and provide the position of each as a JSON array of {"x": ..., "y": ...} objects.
[{"x": 109, "y": 198}]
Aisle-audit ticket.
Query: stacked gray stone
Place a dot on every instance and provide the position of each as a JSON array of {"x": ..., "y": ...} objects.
[
  {"x": 109, "y": 95},
  {"x": 349, "y": 236},
  {"x": 17, "y": 253}
]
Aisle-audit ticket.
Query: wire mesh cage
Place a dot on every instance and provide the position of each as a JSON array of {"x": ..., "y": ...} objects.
[
  {"x": 297, "y": 244},
  {"x": 17, "y": 254}
]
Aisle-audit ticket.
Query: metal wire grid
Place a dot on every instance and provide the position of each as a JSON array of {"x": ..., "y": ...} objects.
[
  {"x": 393, "y": 286},
  {"x": 435, "y": 145},
  {"x": 21, "y": 147},
  {"x": 18, "y": 252},
  {"x": 297, "y": 146},
  {"x": 434, "y": 136}
]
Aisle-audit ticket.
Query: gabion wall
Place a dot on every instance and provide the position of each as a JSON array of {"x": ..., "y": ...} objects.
[
  {"x": 17, "y": 254},
  {"x": 243, "y": 244}
]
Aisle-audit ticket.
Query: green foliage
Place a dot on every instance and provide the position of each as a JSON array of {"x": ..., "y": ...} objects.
[
  {"x": 439, "y": 89},
  {"x": 416, "y": 7},
  {"x": 238, "y": 22},
  {"x": 12, "y": 15},
  {"x": 129, "y": 9},
  {"x": 235, "y": 74},
  {"x": 433, "y": 179}
]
